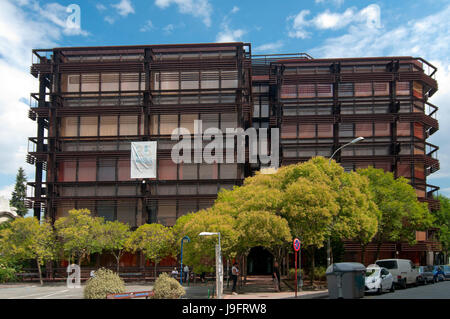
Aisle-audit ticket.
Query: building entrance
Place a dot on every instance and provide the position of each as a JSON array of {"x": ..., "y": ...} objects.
[{"x": 259, "y": 261}]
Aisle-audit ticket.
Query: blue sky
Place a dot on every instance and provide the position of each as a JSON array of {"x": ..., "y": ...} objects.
[{"x": 322, "y": 28}]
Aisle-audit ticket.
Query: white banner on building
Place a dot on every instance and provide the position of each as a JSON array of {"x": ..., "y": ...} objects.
[{"x": 143, "y": 160}]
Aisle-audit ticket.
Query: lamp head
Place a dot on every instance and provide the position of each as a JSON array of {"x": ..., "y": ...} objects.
[
  {"x": 207, "y": 233},
  {"x": 356, "y": 140}
]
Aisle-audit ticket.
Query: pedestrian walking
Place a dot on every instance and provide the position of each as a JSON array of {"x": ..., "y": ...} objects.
[
  {"x": 234, "y": 276},
  {"x": 276, "y": 277},
  {"x": 175, "y": 273},
  {"x": 186, "y": 273}
]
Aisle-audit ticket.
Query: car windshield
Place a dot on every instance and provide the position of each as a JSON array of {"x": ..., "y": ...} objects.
[
  {"x": 447, "y": 268},
  {"x": 388, "y": 264},
  {"x": 372, "y": 272}
]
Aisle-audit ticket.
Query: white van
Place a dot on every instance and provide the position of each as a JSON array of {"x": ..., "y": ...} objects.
[{"x": 403, "y": 270}]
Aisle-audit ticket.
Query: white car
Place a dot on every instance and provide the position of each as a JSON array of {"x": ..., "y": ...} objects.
[
  {"x": 403, "y": 270},
  {"x": 378, "y": 279}
]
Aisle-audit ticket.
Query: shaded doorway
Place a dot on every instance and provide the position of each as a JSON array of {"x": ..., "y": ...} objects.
[{"x": 259, "y": 261}]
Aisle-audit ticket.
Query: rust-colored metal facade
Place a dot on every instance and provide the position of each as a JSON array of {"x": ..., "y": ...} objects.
[{"x": 93, "y": 101}]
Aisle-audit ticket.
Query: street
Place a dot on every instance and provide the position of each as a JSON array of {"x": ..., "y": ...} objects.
[{"x": 440, "y": 290}]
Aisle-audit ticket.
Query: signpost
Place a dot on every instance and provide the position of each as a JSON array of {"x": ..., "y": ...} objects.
[{"x": 296, "y": 245}]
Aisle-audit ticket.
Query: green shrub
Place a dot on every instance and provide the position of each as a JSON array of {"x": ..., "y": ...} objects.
[
  {"x": 7, "y": 273},
  {"x": 167, "y": 287},
  {"x": 104, "y": 282}
]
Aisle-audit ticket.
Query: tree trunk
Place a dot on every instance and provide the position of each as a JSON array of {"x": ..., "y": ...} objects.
[
  {"x": 118, "y": 262},
  {"x": 155, "y": 270},
  {"x": 40, "y": 271},
  {"x": 311, "y": 274},
  {"x": 363, "y": 253},
  {"x": 377, "y": 254}
]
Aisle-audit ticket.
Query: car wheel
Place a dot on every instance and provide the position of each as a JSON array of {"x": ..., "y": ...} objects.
[
  {"x": 379, "y": 291},
  {"x": 392, "y": 287}
]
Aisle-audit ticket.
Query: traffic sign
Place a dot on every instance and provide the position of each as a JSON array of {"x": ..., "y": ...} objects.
[{"x": 297, "y": 244}]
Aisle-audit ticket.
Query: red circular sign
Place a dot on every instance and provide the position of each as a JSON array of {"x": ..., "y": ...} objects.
[{"x": 297, "y": 244}]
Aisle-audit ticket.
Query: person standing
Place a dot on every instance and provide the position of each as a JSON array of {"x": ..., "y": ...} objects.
[
  {"x": 276, "y": 277},
  {"x": 186, "y": 273},
  {"x": 234, "y": 277}
]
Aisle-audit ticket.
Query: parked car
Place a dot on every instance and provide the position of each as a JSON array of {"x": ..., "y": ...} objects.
[
  {"x": 425, "y": 275},
  {"x": 446, "y": 270},
  {"x": 403, "y": 271},
  {"x": 438, "y": 274},
  {"x": 378, "y": 279}
]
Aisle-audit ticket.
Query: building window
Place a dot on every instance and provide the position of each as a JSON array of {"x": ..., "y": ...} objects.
[
  {"x": 346, "y": 130},
  {"x": 123, "y": 173},
  {"x": 167, "y": 170},
  {"x": 110, "y": 82},
  {"x": 108, "y": 125},
  {"x": 289, "y": 131},
  {"x": 381, "y": 88},
  {"x": 364, "y": 129},
  {"x": 307, "y": 130},
  {"x": 106, "y": 170},
  {"x": 88, "y": 125},
  {"x": 87, "y": 170},
  {"x": 128, "y": 125},
  {"x": 325, "y": 130},
  {"x": 345, "y": 89},
  {"x": 288, "y": 91},
  {"x": 69, "y": 126},
  {"x": 403, "y": 129},
  {"x": 167, "y": 212},
  {"x": 324, "y": 90},
  {"x": 306, "y": 91},
  {"x": 106, "y": 209},
  {"x": 208, "y": 171},
  {"x": 363, "y": 89},
  {"x": 403, "y": 88},
  {"x": 168, "y": 123},
  {"x": 382, "y": 129},
  {"x": 67, "y": 171}
]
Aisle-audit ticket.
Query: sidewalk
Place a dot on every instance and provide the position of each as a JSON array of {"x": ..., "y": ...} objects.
[{"x": 261, "y": 287}]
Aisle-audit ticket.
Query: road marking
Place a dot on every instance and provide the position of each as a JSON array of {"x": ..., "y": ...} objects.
[
  {"x": 55, "y": 293},
  {"x": 26, "y": 296}
]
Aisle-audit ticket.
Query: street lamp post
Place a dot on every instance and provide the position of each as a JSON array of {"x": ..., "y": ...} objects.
[
  {"x": 219, "y": 271},
  {"x": 356, "y": 140},
  {"x": 181, "y": 266}
]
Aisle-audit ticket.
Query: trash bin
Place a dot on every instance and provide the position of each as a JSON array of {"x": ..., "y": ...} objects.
[{"x": 346, "y": 280}]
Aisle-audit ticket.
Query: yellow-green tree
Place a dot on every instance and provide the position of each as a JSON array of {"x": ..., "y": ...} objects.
[
  {"x": 401, "y": 213},
  {"x": 26, "y": 239},
  {"x": 114, "y": 239},
  {"x": 79, "y": 234},
  {"x": 199, "y": 253},
  {"x": 154, "y": 240}
]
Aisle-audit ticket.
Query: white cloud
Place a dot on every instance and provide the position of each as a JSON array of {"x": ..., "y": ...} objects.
[
  {"x": 148, "y": 26},
  {"x": 124, "y": 7},
  {"x": 329, "y": 20},
  {"x": 428, "y": 37},
  {"x": 198, "y": 8},
  {"x": 168, "y": 29},
  {"x": 109, "y": 19},
  {"x": 335, "y": 2},
  {"x": 299, "y": 24},
  {"x": 269, "y": 47},
  {"x": 6, "y": 191},
  {"x": 235, "y": 9},
  {"x": 368, "y": 16},
  {"x": 22, "y": 28},
  {"x": 100, "y": 7},
  {"x": 59, "y": 15}
]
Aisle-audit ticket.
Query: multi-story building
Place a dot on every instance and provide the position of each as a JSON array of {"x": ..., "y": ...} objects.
[{"x": 92, "y": 102}]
